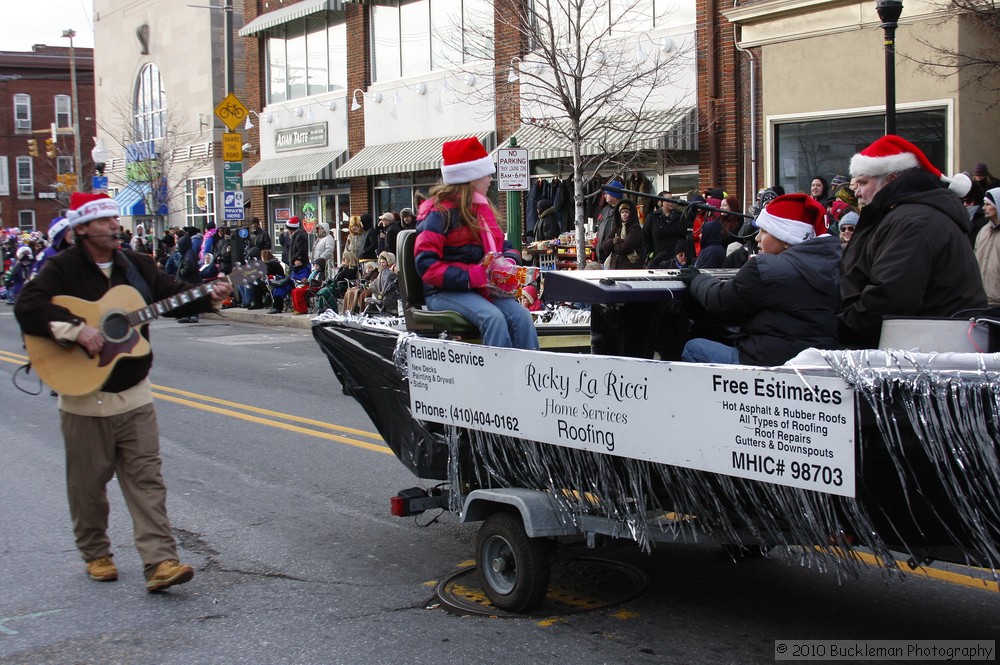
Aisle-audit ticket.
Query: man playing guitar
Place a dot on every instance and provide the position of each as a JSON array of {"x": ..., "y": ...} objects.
[{"x": 112, "y": 429}]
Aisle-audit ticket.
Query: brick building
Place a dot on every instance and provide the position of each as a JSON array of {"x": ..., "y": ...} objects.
[
  {"x": 367, "y": 136},
  {"x": 35, "y": 94}
]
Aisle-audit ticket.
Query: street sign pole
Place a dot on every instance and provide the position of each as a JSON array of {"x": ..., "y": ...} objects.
[{"x": 512, "y": 177}]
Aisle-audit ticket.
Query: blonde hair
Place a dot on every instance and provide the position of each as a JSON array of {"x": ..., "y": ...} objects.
[
  {"x": 354, "y": 225},
  {"x": 461, "y": 195}
]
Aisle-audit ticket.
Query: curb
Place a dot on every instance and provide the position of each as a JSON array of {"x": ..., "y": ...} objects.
[{"x": 285, "y": 319}]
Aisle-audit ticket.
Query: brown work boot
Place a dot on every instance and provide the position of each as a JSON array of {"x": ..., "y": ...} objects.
[
  {"x": 169, "y": 573},
  {"x": 102, "y": 569}
]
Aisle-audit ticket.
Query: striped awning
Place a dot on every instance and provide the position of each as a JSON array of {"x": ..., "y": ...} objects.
[
  {"x": 676, "y": 129},
  {"x": 290, "y": 13},
  {"x": 131, "y": 200},
  {"x": 281, "y": 170},
  {"x": 406, "y": 157}
]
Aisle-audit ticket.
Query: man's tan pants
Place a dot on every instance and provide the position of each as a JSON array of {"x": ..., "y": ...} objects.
[{"x": 129, "y": 445}]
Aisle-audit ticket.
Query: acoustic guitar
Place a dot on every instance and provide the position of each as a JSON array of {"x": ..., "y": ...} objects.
[{"x": 119, "y": 315}]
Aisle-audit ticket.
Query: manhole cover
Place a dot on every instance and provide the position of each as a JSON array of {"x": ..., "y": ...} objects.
[{"x": 580, "y": 584}]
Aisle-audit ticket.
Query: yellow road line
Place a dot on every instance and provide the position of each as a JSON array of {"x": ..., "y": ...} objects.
[
  {"x": 934, "y": 573},
  {"x": 270, "y": 423},
  {"x": 197, "y": 400},
  {"x": 268, "y": 412}
]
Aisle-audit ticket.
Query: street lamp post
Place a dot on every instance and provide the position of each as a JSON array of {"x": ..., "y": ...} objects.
[
  {"x": 77, "y": 159},
  {"x": 888, "y": 13}
]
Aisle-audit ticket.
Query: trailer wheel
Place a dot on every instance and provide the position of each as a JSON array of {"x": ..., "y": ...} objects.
[{"x": 513, "y": 568}]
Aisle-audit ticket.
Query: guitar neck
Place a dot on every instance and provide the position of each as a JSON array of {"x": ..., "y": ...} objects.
[
  {"x": 241, "y": 274},
  {"x": 158, "y": 309}
]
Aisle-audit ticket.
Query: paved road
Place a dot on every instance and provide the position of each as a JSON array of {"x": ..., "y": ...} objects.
[{"x": 279, "y": 496}]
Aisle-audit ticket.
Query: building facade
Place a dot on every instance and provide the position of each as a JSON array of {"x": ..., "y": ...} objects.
[
  {"x": 40, "y": 162},
  {"x": 355, "y": 99},
  {"x": 812, "y": 86},
  {"x": 161, "y": 71}
]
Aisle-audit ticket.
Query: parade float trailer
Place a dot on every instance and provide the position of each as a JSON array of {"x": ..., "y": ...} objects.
[{"x": 840, "y": 460}]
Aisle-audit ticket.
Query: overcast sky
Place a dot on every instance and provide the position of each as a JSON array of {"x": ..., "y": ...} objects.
[{"x": 29, "y": 22}]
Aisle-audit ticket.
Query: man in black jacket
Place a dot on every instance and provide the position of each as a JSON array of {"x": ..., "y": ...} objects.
[
  {"x": 113, "y": 430},
  {"x": 297, "y": 251},
  {"x": 910, "y": 254}
]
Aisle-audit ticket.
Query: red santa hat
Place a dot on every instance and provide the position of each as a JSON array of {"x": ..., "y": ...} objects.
[
  {"x": 891, "y": 154},
  {"x": 793, "y": 218},
  {"x": 465, "y": 160},
  {"x": 292, "y": 223},
  {"x": 88, "y": 207}
]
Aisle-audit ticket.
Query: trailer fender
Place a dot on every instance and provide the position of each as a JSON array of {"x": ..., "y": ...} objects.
[{"x": 539, "y": 511}]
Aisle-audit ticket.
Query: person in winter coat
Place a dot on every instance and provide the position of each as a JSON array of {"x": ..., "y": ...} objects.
[
  {"x": 713, "y": 250},
  {"x": 325, "y": 246},
  {"x": 604, "y": 223},
  {"x": 457, "y": 233},
  {"x": 547, "y": 226},
  {"x": 60, "y": 237},
  {"x": 624, "y": 247},
  {"x": 19, "y": 273},
  {"x": 910, "y": 254},
  {"x": 988, "y": 247},
  {"x": 296, "y": 254},
  {"x": 355, "y": 237},
  {"x": 369, "y": 246},
  {"x": 785, "y": 299},
  {"x": 661, "y": 233}
]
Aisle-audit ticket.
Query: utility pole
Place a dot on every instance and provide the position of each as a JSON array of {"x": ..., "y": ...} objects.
[{"x": 77, "y": 159}]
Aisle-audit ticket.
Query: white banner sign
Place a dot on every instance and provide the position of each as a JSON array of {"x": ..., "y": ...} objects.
[{"x": 771, "y": 425}]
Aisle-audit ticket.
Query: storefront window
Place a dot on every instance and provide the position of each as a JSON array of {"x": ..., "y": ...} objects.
[
  {"x": 306, "y": 57},
  {"x": 804, "y": 150},
  {"x": 394, "y": 194},
  {"x": 199, "y": 197},
  {"x": 415, "y": 37}
]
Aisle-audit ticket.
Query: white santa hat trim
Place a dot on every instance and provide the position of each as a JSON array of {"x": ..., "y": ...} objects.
[{"x": 791, "y": 231}]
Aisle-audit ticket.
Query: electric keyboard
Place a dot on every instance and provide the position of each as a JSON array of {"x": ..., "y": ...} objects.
[{"x": 618, "y": 286}]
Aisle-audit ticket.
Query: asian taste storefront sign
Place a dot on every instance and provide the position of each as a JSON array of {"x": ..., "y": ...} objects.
[
  {"x": 766, "y": 424},
  {"x": 305, "y": 136}
]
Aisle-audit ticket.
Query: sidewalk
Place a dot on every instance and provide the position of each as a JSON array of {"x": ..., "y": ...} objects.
[{"x": 288, "y": 318}]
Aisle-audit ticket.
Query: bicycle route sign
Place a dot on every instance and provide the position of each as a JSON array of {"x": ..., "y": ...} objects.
[{"x": 231, "y": 112}]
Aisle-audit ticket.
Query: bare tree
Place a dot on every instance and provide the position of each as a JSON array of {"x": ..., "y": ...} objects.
[
  {"x": 978, "y": 63},
  {"x": 165, "y": 163},
  {"x": 589, "y": 80}
]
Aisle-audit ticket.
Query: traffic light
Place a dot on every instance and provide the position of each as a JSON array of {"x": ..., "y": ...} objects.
[
  {"x": 33, "y": 147},
  {"x": 50, "y": 148}
]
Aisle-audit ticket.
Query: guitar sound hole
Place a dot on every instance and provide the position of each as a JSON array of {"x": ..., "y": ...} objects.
[{"x": 116, "y": 327}]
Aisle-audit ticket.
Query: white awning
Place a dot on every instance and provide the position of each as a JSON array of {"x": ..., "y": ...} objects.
[
  {"x": 676, "y": 129},
  {"x": 280, "y": 170},
  {"x": 131, "y": 200},
  {"x": 290, "y": 13},
  {"x": 405, "y": 157}
]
